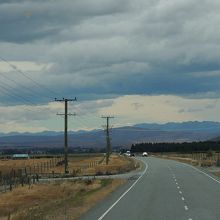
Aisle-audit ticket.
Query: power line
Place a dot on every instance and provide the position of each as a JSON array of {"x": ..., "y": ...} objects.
[
  {"x": 27, "y": 89},
  {"x": 24, "y": 74},
  {"x": 5, "y": 87}
]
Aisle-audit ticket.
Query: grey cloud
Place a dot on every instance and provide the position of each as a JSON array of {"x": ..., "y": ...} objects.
[
  {"x": 105, "y": 49},
  {"x": 91, "y": 107},
  {"x": 24, "y": 114},
  {"x": 32, "y": 20}
]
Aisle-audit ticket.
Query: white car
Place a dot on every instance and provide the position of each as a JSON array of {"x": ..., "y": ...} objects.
[
  {"x": 145, "y": 154},
  {"x": 128, "y": 153}
]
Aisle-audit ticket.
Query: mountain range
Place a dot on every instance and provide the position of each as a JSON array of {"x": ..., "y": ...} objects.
[{"x": 121, "y": 136}]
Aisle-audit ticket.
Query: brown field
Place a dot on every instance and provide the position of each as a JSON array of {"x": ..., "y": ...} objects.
[
  {"x": 117, "y": 164},
  {"x": 63, "y": 200},
  {"x": 6, "y": 165},
  {"x": 79, "y": 165}
]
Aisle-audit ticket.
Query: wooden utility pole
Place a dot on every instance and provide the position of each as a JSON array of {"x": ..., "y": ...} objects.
[
  {"x": 65, "y": 129},
  {"x": 108, "y": 140}
]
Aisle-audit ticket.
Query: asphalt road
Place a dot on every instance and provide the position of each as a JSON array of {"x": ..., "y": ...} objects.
[{"x": 166, "y": 190}]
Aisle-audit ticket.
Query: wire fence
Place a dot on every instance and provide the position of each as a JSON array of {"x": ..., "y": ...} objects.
[{"x": 29, "y": 175}]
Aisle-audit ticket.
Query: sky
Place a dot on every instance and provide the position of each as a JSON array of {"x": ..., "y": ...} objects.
[{"x": 139, "y": 60}]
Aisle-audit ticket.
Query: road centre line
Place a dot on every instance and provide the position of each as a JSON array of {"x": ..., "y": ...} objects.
[
  {"x": 180, "y": 192},
  {"x": 115, "y": 203}
]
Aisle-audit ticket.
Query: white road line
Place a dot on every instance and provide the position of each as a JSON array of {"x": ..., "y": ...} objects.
[
  {"x": 178, "y": 187},
  {"x": 115, "y": 203},
  {"x": 202, "y": 173},
  {"x": 180, "y": 192},
  {"x": 183, "y": 198},
  {"x": 190, "y": 218},
  {"x": 186, "y": 208},
  {"x": 176, "y": 183}
]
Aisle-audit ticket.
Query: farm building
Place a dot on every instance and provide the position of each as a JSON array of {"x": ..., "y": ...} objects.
[{"x": 20, "y": 156}]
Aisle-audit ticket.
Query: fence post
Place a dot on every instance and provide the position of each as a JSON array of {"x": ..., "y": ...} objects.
[
  {"x": 10, "y": 183},
  {"x": 218, "y": 160},
  {"x": 0, "y": 176},
  {"x": 41, "y": 168},
  {"x": 5, "y": 184},
  {"x": 44, "y": 166},
  {"x": 9, "y": 216}
]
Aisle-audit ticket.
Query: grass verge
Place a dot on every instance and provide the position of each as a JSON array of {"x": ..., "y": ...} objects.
[
  {"x": 64, "y": 200},
  {"x": 203, "y": 163}
]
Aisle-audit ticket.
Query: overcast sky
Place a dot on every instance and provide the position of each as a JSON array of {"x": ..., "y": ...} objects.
[{"x": 140, "y": 60}]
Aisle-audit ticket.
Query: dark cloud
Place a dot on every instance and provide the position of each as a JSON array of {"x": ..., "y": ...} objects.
[
  {"x": 100, "y": 49},
  {"x": 25, "y": 21}
]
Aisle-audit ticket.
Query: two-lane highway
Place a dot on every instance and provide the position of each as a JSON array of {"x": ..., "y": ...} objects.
[{"x": 166, "y": 190}]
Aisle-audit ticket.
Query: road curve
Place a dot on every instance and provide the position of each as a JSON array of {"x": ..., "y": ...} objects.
[{"x": 166, "y": 190}]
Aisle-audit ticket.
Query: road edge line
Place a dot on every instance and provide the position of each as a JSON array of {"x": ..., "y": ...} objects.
[
  {"x": 200, "y": 171},
  {"x": 116, "y": 202}
]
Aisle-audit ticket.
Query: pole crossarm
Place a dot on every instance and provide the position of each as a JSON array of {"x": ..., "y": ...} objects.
[
  {"x": 63, "y": 100},
  {"x": 69, "y": 114}
]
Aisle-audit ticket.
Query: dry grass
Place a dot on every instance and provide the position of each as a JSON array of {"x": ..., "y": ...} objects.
[
  {"x": 202, "y": 162},
  {"x": 117, "y": 164},
  {"x": 217, "y": 173},
  {"x": 62, "y": 200},
  {"x": 55, "y": 201},
  {"x": 6, "y": 165},
  {"x": 92, "y": 165},
  {"x": 180, "y": 159},
  {"x": 83, "y": 165}
]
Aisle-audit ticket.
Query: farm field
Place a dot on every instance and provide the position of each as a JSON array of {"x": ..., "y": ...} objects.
[
  {"x": 6, "y": 165},
  {"x": 62, "y": 199},
  {"x": 78, "y": 165}
]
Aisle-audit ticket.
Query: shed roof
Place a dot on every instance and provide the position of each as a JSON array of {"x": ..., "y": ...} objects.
[{"x": 20, "y": 155}]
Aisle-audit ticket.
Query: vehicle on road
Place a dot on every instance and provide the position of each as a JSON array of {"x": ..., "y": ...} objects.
[
  {"x": 144, "y": 154},
  {"x": 128, "y": 153}
]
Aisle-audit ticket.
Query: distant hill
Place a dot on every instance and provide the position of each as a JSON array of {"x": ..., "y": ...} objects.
[
  {"x": 208, "y": 126},
  {"x": 122, "y": 136}
]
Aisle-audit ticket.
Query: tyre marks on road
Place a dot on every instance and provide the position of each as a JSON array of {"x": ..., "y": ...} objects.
[{"x": 186, "y": 208}]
